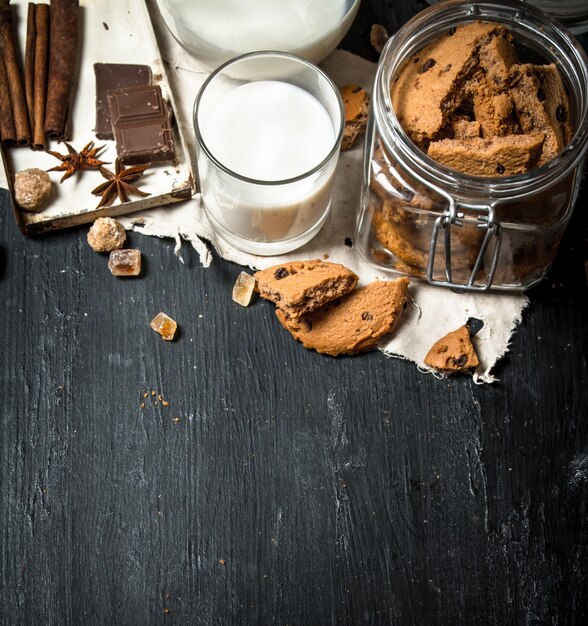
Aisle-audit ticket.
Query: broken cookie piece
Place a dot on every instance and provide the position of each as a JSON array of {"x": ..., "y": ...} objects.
[
  {"x": 354, "y": 323},
  {"x": 356, "y": 101},
  {"x": 499, "y": 156},
  {"x": 542, "y": 106},
  {"x": 453, "y": 353},
  {"x": 429, "y": 87},
  {"x": 300, "y": 287}
]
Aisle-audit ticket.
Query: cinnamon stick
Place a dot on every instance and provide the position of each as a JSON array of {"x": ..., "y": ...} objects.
[
  {"x": 29, "y": 61},
  {"x": 63, "y": 42},
  {"x": 17, "y": 98},
  {"x": 7, "y": 132},
  {"x": 40, "y": 75}
]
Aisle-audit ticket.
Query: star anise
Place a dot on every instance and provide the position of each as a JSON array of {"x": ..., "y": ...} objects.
[
  {"x": 73, "y": 161},
  {"x": 119, "y": 183}
]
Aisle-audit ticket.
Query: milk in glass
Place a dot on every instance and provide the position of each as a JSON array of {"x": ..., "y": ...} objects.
[{"x": 267, "y": 132}]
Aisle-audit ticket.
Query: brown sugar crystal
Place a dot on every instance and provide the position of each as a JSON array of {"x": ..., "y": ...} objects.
[
  {"x": 106, "y": 235},
  {"x": 125, "y": 262},
  {"x": 243, "y": 289},
  {"x": 32, "y": 189},
  {"x": 164, "y": 325}
]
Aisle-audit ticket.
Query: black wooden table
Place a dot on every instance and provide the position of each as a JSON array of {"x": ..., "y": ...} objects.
[{"x": 278, "y": 486}]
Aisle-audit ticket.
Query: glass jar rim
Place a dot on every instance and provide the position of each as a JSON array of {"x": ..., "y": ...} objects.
[
  {"x": 260, "y": 54},
  {"x": 430, "y": 24}
]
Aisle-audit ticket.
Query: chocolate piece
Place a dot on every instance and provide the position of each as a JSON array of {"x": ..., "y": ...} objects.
[
  {"x": 109, "y": 77},
  {"x": 141, "y": 125}
]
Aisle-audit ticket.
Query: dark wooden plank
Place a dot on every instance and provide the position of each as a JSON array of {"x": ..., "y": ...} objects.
[{"x": 295, "y": 488}]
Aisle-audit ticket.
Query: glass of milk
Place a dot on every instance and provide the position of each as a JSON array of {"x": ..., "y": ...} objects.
[
  {"x": 215, "y": 31},
  {"x": 268, "y": 128}
]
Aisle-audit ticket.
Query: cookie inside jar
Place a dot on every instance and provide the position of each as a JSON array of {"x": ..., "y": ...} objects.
[{"x": 474, "y": 102}]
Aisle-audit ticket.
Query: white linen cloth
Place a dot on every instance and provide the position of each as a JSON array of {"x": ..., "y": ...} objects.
[{"x": 433, "y": 311}]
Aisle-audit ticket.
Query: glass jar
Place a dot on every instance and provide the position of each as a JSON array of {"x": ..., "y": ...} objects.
[{"x": 422, "y": 219}]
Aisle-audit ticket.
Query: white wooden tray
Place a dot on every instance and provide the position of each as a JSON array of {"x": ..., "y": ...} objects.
[{"x": 111, "y": 31}]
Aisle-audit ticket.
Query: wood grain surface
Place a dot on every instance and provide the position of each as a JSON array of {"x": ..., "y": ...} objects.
[{"x": 278, "y": 486}]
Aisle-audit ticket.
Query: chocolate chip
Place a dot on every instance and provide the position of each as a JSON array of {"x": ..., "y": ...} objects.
[
  {"x": 348, "y": 242},
  {"x": 367, "y": 316},
  {"x": 461, "y": 361},
  {"x": 541, "y": 94},
  {"x": 408, "y": 195},
  {"x": 500, "y": 168},
  {"x": 427, "y": 65},
  {"x": 416, "y": 59},
  {"x": 280, "y": 273},
  {"x": 452, "y": 30},
  {"x": 447, "y": 67},
  {"x": 560, "y": 113},
  {"x": 475, "y": 325}
]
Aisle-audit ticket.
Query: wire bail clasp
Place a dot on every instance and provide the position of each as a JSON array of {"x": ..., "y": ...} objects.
[{"x": 492, "y": 237}]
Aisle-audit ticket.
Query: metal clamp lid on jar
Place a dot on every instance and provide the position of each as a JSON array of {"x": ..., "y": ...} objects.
[{"x": 462, "y": 191}]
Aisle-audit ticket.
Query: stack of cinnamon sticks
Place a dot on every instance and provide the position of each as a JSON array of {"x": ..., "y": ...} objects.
[{"x": 36, "y": 109}]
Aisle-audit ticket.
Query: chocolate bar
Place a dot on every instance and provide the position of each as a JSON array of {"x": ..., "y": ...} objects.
[
  {"x": 109, "y": 77},
  {"x": 141, "y": 124}
]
